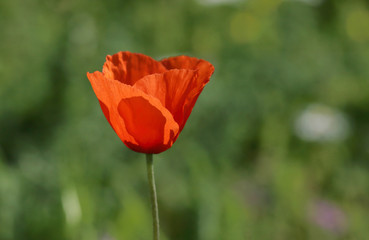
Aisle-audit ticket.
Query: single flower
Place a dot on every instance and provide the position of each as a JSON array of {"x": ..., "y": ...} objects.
[{"x": 148, "y": 102}]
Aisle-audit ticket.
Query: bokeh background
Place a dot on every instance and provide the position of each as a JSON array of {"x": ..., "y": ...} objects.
[{"x": 277, "y": 146}]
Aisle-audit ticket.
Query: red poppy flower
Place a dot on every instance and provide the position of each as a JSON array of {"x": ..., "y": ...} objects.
[{"x": 148, "y": 102}]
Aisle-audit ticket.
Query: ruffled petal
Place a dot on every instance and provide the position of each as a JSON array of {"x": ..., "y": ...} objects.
[
  {"x": 128, "y": 67},
  {"x": 204, "y": 68},
  {"x": 131, "y": 112},
  {"x": 176, "y": 89}
]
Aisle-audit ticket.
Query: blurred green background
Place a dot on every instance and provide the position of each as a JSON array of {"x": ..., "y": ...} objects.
[{"x": 277, "y": 146}]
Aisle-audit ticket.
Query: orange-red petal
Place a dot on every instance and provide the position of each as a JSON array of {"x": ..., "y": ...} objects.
[
  {"x": 204, "y": 68},
  {"x": 132, "y": 113},
  {"x": 128, "y": 67},
  {"x": 153, "y": 129},
  {"x": 176, "y": 89}
]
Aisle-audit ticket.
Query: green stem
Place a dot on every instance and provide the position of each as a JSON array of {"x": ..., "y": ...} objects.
[{"x": 153, "y": 197}]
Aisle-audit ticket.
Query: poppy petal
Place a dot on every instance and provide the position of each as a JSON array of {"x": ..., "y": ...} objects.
[
  {"x": 128, "y": 110},
  {"x": 205, "y": 69},
  {"x": 153, "y": 128},
  {"x": 176, "y": 89},
  {"x": 128, "y": 67},
  {"x": 108, "y": 94},
  {"x": 105, "y": 110}
]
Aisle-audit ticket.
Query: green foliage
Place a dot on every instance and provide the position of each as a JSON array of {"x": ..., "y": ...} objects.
[{"x": 243, "y": 168}]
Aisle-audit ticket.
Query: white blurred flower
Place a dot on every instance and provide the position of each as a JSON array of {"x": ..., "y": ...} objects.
[
  {"x": 218, "y": 2},
  {"x": 311, "y": 2},
  {"x": 232, "y": 2},
  {"x": 321, "y": 123},
  {"x": 71, "y": 206}
]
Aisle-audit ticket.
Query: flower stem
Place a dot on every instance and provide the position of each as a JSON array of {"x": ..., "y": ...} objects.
[{"x": 153, "y": 197}]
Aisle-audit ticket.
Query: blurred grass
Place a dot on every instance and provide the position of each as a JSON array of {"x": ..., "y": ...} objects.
[{"x": 243, "y": 168}]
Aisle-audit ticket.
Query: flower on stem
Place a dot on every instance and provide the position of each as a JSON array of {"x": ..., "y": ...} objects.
[{"x": 148, "y": 102}]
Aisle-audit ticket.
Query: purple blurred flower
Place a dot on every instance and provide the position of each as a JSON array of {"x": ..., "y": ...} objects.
[
  {"x": 106, "y": 236},
  {"x": 329, "y": 217}
]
